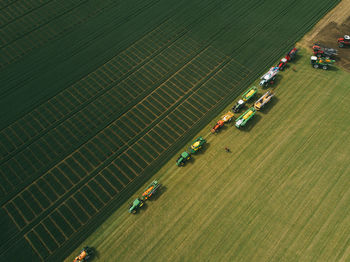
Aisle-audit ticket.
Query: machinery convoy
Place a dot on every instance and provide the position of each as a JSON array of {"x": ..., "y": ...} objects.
[{"x": 321, "y": 59}]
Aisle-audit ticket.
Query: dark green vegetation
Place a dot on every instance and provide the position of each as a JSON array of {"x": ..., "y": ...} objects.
[{"x": 96, "y": 95}]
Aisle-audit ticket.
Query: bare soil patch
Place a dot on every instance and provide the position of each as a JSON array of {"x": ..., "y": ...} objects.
[{"x": 326, "y": 32}]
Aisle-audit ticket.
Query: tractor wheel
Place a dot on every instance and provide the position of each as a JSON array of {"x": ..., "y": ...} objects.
[
  {"x": 324, "y": 67},
  {"x": 316, "y": 66},
  {"x": 341, "y": 45}
]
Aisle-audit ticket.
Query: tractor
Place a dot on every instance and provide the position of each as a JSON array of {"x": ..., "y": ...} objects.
[
  {"x": 197, "y": 144},
  {"x": 84, "y": 255},
  {"x": 321, "y": 62},
  {"x": 269, "y": 78},
  {"x": 217, "y": 126},
  {"x": 237, "y": 107},
  {"x": 344, "y": 41},
  {"x": 290, "y": 56},
  {"x": 244, "y": 118},
  {"x": 282, "y": 64},
  {"x": 150, "y": 190},
  {"x": 183, "y": 158},
  {"x": 263, "y": 100},
  {"x": 227, "y": 117},
  {"x": 249, "y": 93},
  {"x": 136, "y": 205},
  {"x": 321, "y": 51}
]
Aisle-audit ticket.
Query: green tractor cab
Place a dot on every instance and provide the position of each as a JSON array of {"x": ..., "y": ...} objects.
[
  {"x": 150, "y": 190},
  {"x": 249, "y": 94},
  {"x": 238, "y": 106},
  {"x": 136, "y": 205},
  {"x": 197, "y": 144},
  {"x": 321, "y": 62},
  {"x": 183, "y": 158},
  {"x": 244, "y": 118}
]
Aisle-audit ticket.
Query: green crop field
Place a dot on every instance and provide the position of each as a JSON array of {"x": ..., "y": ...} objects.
[
  {"x": 96, "y": 95},
  {"x": 282, "y": 194}
]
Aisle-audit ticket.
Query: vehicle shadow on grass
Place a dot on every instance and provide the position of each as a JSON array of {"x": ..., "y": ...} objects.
[
  {"x": 162, "y": 189},
  {"x": 95, "y": 254},
  {"x": 274, "y": 100},
  {"x": 203, "y": 149},
  {"x": 252, "y": 122}
]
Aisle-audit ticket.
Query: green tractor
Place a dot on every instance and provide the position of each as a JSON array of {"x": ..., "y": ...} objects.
[
  {"x": 150, "y": 190},
  {"x": 136, "y": 205},
  {"x": 197, "y": 144},
  {"x": 244, "y": 118},
  {"x": 249, "y": 94},
  {"x": 183, "y": 158},
  {"x": 321, "y": 62}
]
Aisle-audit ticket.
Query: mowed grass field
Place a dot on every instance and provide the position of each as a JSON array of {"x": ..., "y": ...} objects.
[
  {"x": 282, "y": 194},
  {"x": 95, "y": 96}
]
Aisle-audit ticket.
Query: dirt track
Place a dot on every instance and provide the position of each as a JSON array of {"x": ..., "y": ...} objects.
[{"x": 326, "y": 32}]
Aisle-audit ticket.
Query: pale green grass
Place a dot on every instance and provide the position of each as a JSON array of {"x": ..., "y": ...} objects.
[{"x": 281, "y": 195}]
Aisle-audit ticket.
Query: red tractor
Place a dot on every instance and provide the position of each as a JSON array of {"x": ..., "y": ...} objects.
[
  {"x": 344, "y": 41},
  {"x": 282, "y": 64},
  {"x": 289, "y": 57},
  {"x": 217, "y": 126},
  {"x": 291, "y": 54},
  {"x": 321, "y": 51}
]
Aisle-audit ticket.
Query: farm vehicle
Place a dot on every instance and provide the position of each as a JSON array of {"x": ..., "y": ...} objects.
[
  {"x": 249, "y": 93},
  {"x": 187, "y": 155},
  {"x": 196, "y": 145},
  {"x": 227, "y": 117},
  {"x": 237, "y": 107},
  {"x": 289, "y": 57},
  {"x": 269, "y": 78},
  {"x": 85, "y": 255},
  {"x": 320, "y": 62},
  {"x": 262, "y": 101},
  {"x": 321, "y": 51},
  {"x": 217, "y": 126},
  {"x": 183, "y": 158},
  {"x": 344, "y": 41},
  {"x": 245, "y": 97},
  {"x": 245, "y": 117},
  {"x": 148, "y": 192}
]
